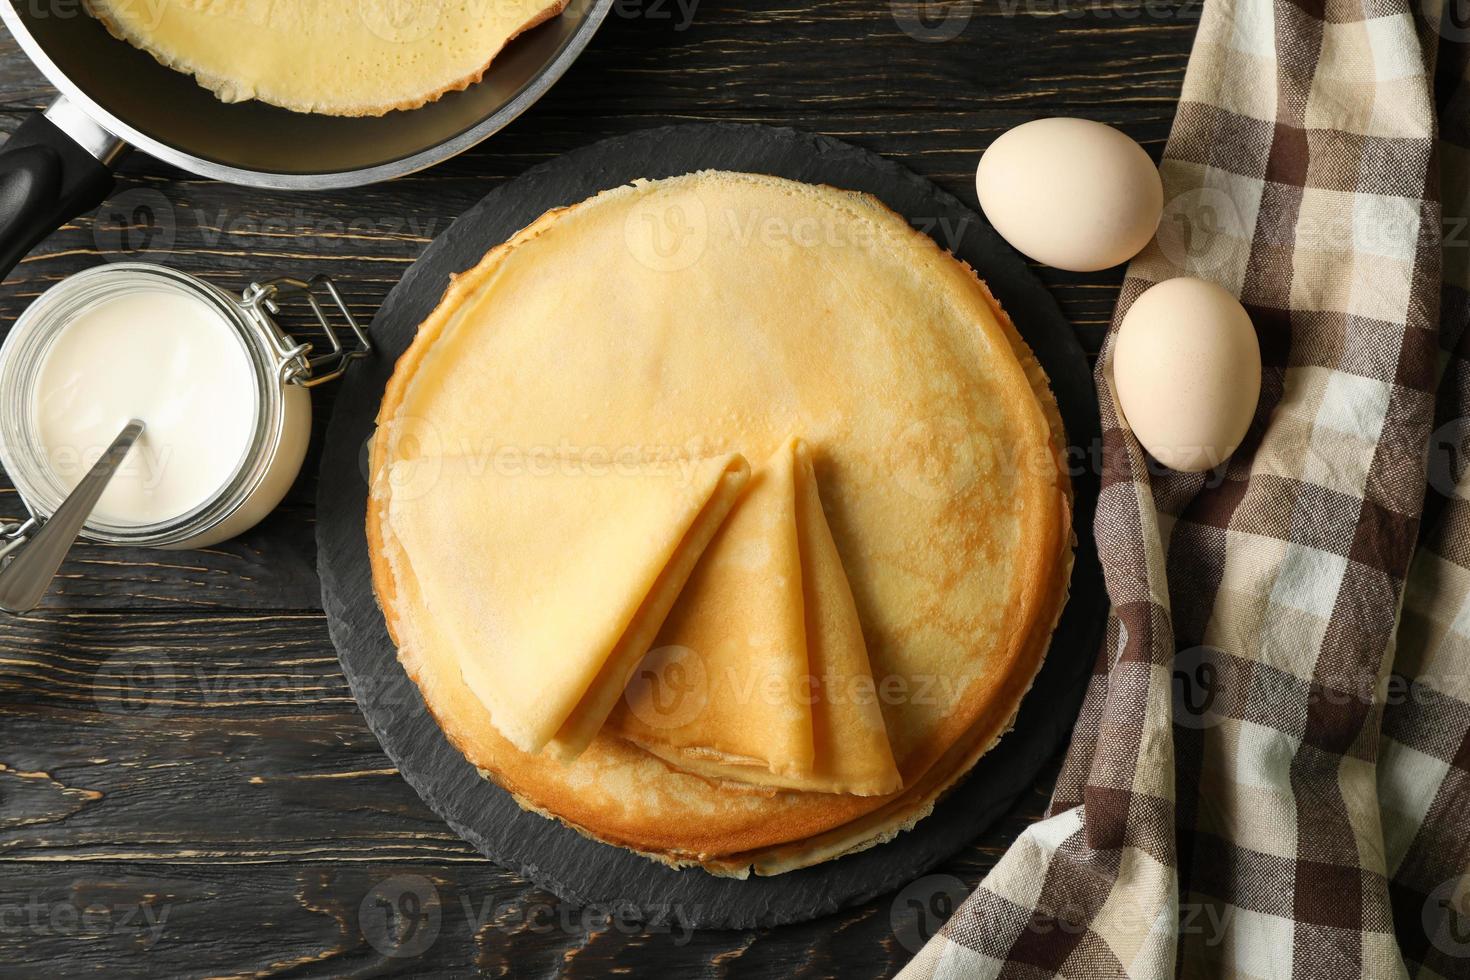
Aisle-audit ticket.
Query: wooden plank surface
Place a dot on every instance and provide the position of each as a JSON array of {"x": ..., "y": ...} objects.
[{"x": 186, "y": 787}]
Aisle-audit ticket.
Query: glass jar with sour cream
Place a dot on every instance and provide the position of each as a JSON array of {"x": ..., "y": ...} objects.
[{"x": 221, "y": 388}]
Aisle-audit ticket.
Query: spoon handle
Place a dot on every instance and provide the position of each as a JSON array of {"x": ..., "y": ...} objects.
[{"x": 24, "y": 580}]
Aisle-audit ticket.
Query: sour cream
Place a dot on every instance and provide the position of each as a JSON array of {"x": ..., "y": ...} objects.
[{"x": 167, "y": 358}]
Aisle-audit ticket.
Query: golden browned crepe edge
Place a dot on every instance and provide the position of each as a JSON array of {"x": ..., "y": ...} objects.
[
  {"x": 216, "y": 84},
  {"x": 1042, "y": 594},
  {"x": 721, "y": 769}
]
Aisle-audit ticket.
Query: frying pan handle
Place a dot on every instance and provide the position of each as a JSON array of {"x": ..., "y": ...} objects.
[{"x": 48, "y": 177}]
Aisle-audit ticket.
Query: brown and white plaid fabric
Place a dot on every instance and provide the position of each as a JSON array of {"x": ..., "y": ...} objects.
[{"x": 1271, "y": 773}]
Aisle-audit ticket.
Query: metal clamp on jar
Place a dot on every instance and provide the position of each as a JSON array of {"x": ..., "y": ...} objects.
[{"x": 222, "y": 392}]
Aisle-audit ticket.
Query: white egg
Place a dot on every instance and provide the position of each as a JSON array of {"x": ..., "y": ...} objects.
[
  {"x": 1071, "y": 193},
  {"x": 1187, "y": 372}
]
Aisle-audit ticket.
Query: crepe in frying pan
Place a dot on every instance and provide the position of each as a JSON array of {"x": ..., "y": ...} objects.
[
  {"x": 551, "y": 576},
  {"x": 747, "y": 308},
  {"x": 770, "y": 685},
  {"x": 337, "y": 57}
]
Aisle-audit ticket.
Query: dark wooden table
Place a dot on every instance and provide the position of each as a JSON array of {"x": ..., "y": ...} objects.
[{"x": 186, "y": 786}]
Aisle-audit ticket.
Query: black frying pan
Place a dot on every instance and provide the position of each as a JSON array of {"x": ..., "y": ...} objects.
[{"x": 58, "y": 164}]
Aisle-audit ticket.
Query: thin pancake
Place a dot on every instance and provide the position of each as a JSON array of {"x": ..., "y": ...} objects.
[
  {"x": 549, "y": 578},
  {"x": 748, "y": 308},
  {"x": 337, "y": 57},
  {"x": 740, "y": 617},
  {"x": 781, "y": 654}
]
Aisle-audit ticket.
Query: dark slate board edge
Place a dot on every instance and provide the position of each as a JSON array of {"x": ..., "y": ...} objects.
[{"x": 521, "y": 840}]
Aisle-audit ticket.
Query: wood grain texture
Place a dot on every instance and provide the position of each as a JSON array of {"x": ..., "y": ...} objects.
[{"x": 186, "y": 786}]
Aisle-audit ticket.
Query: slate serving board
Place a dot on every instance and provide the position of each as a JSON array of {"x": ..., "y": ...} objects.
[{"x": 556, "y": 858}]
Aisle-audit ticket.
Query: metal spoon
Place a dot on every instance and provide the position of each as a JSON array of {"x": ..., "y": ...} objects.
[{"x": 24, "y": 580}]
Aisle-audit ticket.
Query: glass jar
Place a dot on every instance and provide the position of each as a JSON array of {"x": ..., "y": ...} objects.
[{"x": 282, "y": 369}]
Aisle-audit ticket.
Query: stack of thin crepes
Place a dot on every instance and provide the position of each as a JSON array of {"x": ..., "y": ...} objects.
[
  {"x": 731, "y": 547},
  {"x": 1271, "y": 773}
]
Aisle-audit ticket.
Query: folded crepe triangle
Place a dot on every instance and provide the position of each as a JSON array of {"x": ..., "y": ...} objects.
[
  {"x": 552, "y": 580},
  {"x": 766, "y": 647}
]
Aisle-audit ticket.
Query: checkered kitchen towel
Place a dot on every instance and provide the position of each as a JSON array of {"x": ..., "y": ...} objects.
[{"x": 1271, "y": 773}]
